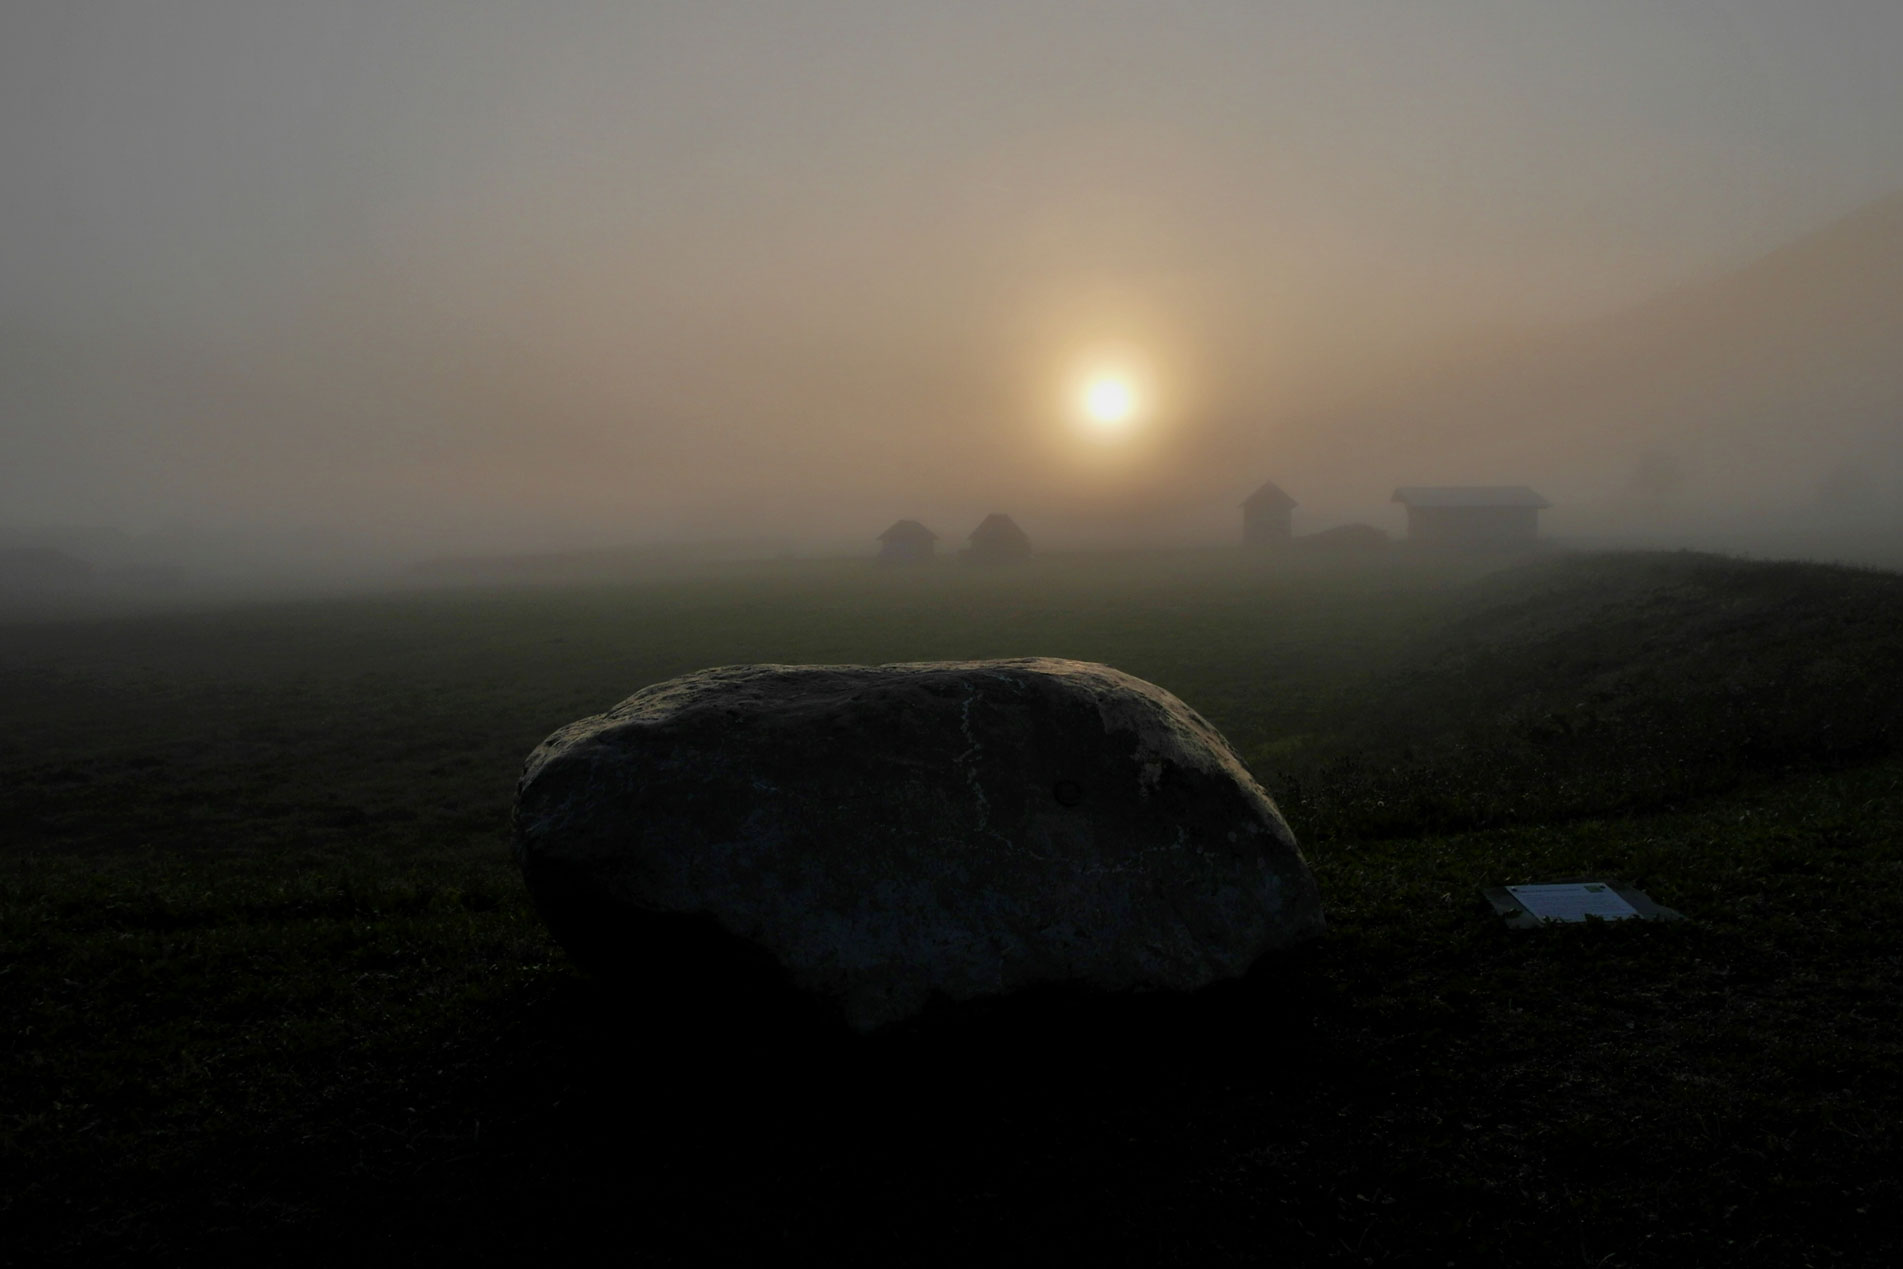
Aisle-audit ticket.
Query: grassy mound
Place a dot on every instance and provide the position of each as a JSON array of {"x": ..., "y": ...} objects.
[{"x": 1587, "y": 686}]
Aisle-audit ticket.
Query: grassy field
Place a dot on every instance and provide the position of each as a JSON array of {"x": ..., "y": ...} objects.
[{"x": 273, "y": 988}]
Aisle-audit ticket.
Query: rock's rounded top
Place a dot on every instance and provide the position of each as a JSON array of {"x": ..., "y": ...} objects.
[{"x": 1124, "y": 702}]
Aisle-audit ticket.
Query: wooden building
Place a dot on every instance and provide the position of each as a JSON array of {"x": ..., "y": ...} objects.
[
  {"x": 997, "y": 540},
  {"x": 1268, "y": 516},
  {"x": 908, "y": 542},
  {"x": 1472, "y": 517}
]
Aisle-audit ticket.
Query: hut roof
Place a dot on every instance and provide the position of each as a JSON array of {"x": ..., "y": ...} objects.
[
  {"x": 908, "y": 531},
  {"x": 998, "y": 528},
  {"x": 1468, "y": 496},
  {"x": 1269, "y": 495}
]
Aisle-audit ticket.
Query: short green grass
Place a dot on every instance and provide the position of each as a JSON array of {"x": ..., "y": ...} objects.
[{"x": 273, "y": 989}]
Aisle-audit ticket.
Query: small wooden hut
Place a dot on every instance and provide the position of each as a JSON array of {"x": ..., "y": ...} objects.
[
  {"x": 1471, "y": 517},
  {"x": 997, "y": 540},
  {"x": 1268, "y": 516},
  {"x": 908, "y": 542}
]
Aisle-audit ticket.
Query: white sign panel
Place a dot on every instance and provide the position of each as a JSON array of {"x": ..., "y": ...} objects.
[{"x": 1573, "y": 902}]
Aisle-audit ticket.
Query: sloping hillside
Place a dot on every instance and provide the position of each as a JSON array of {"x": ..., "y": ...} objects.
[
  {"x": 1769, "y": 387},
  {"x": 1603, "y": 684}
]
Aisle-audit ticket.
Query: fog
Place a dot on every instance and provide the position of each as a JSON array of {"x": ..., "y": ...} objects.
[{"x": 344, "y": 287}]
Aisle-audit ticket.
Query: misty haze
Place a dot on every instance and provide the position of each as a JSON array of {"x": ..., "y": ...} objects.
[{"x": 862, "y": 631}]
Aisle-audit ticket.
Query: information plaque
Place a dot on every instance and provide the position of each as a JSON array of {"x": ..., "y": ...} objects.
[
  {"x": 1570, "y": 902},
  {"x": 1574, "y": 902}
]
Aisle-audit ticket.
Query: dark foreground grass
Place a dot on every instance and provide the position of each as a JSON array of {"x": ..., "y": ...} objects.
[{"x": 274, "y": 990}]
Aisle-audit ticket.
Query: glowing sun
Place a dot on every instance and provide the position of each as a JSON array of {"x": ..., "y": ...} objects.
[{"x": 1110, "y": 404}]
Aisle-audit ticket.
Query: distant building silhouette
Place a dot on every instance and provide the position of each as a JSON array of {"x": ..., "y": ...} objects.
[
  {"x": 1268, "y": 516},
  {"x": 907, "y": 542},
  {"x": 1472, "y": 516},
  {"x": 997, "y": 540}
]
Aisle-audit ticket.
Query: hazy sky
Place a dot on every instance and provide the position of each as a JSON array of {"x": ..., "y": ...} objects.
[{"x": 461, "y": 271}]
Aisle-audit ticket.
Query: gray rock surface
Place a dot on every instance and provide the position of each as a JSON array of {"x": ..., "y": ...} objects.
[{"x": 879, "y": 835}]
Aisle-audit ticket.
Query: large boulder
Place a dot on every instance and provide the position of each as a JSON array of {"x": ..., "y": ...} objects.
[{"x": 876, "y": 836}]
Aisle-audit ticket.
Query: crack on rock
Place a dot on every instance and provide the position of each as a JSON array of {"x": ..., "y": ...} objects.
[{"x": 966, "y": 759}]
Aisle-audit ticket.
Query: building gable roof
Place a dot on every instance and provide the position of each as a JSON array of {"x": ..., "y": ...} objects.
[
  {"x": 1269, "y": 495},
  {"x": 998, "y": 527},
  {"x": 908, "y": 531},
  {"x": 1468, "y": 496}
]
